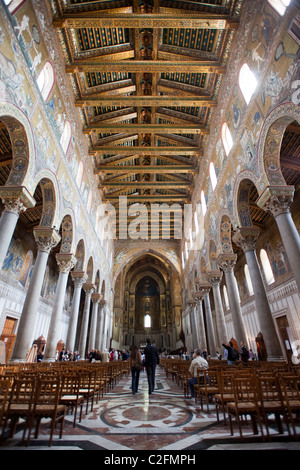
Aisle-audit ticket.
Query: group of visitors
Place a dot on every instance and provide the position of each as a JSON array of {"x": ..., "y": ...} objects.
[{"x": 149, "y": 361}]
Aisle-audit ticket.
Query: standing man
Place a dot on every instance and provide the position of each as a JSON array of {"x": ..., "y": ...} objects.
[{"x": 151, "y": 361}]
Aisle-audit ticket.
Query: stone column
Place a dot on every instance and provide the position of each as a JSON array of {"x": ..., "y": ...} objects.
[
  {"x": 227, "y": 262},
  {"x": 46, "y": 238},
  {"x": 246, "y": 238},
  {"x": 89, "y": 289},
  {"x": 195, "y": 340},
  {"x": 92, "y": 337},
  {"x": 66, "y": 262},
  {"x": 278, "y": 200},
  {"x": 101, "y": 324},
  {"x": 214, "y": 278},
  {"x": 204, "y": 289},
  {"x": 200, "y": 320},
  {"x": 15, "y": 200},
  {"x": 79, "y": 278}
]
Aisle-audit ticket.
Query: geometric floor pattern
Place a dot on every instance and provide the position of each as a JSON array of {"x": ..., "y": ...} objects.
[{"x": 161, "y": 424}]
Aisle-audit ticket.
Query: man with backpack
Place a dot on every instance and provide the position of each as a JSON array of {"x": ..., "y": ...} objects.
[{"x": 233, "y": 354}]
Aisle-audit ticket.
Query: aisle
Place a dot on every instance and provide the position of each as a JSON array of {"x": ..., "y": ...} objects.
[{"x": 162, "y": 421}]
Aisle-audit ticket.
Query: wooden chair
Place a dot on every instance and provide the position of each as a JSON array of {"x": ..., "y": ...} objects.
[
  {"x": 20, "y": 404},
  {"x": 209, "y": 388},
  {"x": 246, "y": 403},
  {"x": 70, "y": 396},
  {"x": 47, "y": 405},
  {"x": 291, "y": 397},
  {"x": 5, "y": 388},
  {"x": 225, "y": 393},
  {"x": 271, "y": 401}
]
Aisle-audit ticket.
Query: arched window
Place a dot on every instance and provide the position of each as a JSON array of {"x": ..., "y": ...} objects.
[
  {"x": 13, "y": 5},
  {"x": 248, "y": 280},
  {"x": 226, "y": 138},
  {"x": 213, "y": 176},
  {"x": 247, "y": 82},
  {"x": 267, "y": 268},
  {"x": 45, "y": 80},
  {"x": 147, "y": 321},
  {"x": 66, "y": 136},
  {"x": 226, "y": 297},
  {"x": 280, "y": 5},
  {"x": 203, "y": 202}
]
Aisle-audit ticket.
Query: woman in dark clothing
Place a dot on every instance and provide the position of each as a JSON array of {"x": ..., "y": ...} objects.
[{"x": 136, "y": 365}]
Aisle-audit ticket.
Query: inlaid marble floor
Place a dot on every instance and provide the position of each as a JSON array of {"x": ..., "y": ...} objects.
[{"x": 161, "y": 422}]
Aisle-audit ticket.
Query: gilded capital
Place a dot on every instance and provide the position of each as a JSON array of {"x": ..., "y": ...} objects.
[
  {"x": 46, "y": 238},
  {"x": 246, "y": 237},
  {"x": 214, "y": 277},
  {"x": 277, "y": 199},
  {"x": 79, "y": 278},
  {"x": 96, "y": 298},
  {"x": 65, "y": 262},
  {"x": 16, "y": 199},
  {"x": 227, "y": 261}
]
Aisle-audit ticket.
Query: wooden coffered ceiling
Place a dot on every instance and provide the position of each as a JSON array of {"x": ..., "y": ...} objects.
[{"x": 146, "y": 77}]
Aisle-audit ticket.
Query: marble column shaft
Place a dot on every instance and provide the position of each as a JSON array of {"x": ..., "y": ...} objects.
[
  {"x": 101, "y": 324},
  {"x": 66, "y": 262},
  {"x": 277, "y": 201},
  {"x": 210, "y": 326},
  {"x": 79, "y": 278},
  {"x": 46, "y": 239},
  {"x": 89, "y": 289},
  {"x": 214, "y": 278},
  {"x": 246, "y": 238},
  {"x": 15, "y": 200},
  {"x": 93, "y": 329},
  {"x": 227, "y": 262}
]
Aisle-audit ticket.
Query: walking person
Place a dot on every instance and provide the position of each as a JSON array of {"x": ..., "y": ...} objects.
[
  {"x": 136, "y": 364},
  {"x": 151, "y": 361}
]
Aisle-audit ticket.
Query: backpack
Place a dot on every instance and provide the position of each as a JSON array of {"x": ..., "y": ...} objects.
[{"x": 234, "y": 355}]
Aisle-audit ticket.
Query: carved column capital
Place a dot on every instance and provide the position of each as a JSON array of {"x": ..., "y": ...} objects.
[
  {"x": 203, "y": 289},
  {"x": 79, "y": 278},
  {"x": 103, "y": 303},
  {"x": 96, "y": 298},
  {"x": 16, "y": 199},
  {"x": 214, "y": 277},
  {"x": 227, "y": 261},
  {"x": 277, "y": 199},
  {"x": 46, "y": 238},
  {"x": 65, "y": 262},
  {"x": 88, "y": 288},
  {"x": 246, "y": 238}
]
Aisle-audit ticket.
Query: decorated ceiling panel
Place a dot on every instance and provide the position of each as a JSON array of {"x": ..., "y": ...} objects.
[{"x": 146, "y": 77}]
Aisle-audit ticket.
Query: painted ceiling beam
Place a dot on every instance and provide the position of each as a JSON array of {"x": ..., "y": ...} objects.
[
  {"x": 101, "y": 20},
  {"x": 148, "y": 101},
  {"x": 136, "y": 150},
  {"x": 151, "y": 66},
  {"x": 146, "y": 128},
  {"x": 145, "y": 169}
]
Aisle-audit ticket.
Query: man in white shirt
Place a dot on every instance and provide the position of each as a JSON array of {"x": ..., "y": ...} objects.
[{"x": 198, "y": 363}]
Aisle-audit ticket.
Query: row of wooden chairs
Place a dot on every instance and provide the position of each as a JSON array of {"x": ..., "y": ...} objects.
[
  {"x": 256, "y": 390},
  {"x": 34, "y": 391}
]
